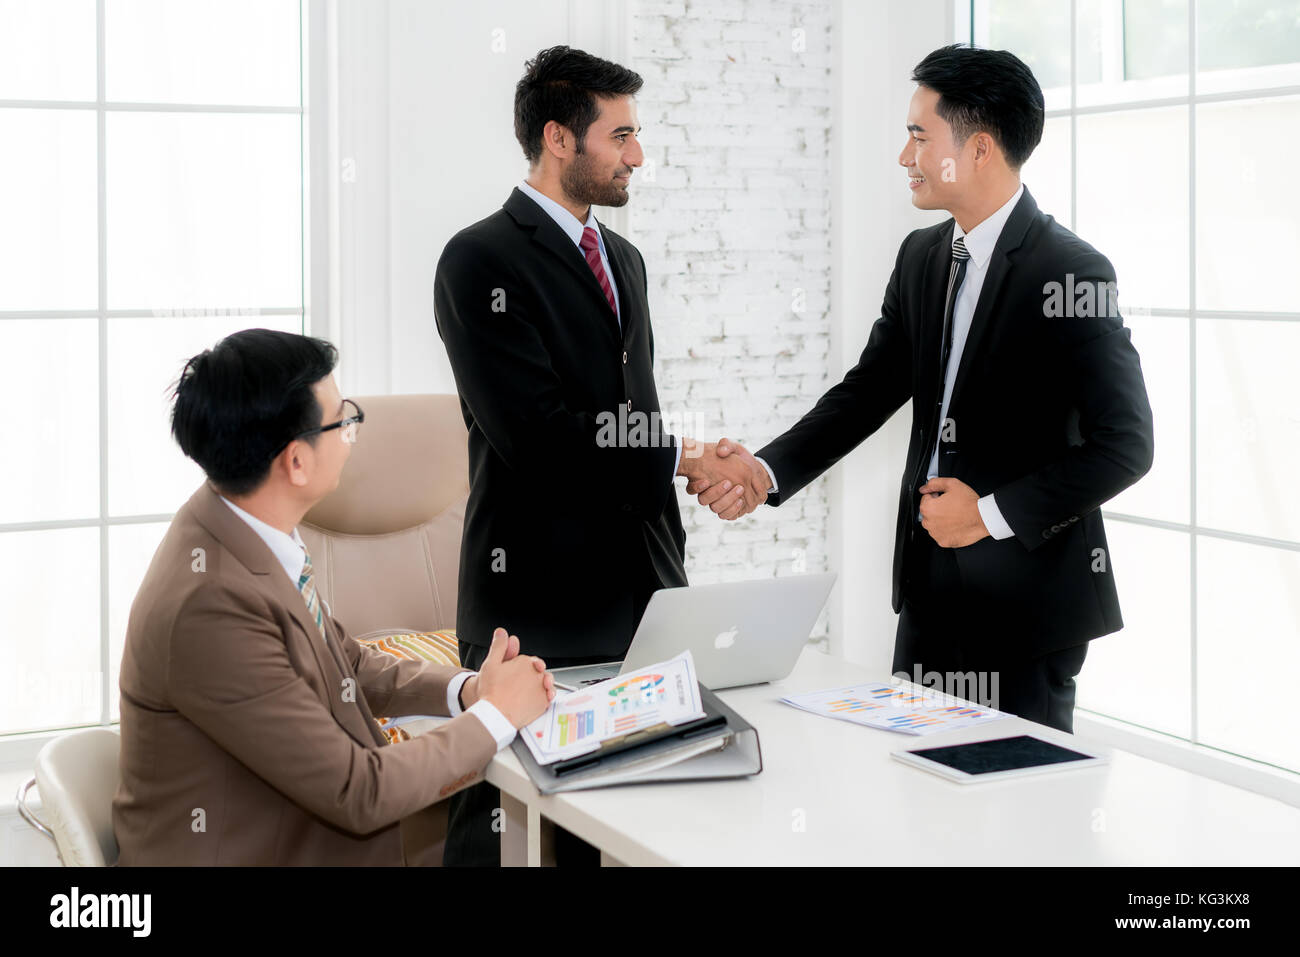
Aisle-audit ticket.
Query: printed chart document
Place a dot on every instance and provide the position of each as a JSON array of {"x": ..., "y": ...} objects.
[
  {"x": 581, "y": 721},
  {"x": 910, "y": 710}
]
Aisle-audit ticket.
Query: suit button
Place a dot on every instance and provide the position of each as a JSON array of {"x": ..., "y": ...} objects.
[
  {"x": 625, "y": 358},
  {"x": 629, "y": 405}
]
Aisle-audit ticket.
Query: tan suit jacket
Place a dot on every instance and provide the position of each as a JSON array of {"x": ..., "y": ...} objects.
[{"x": 248, "y": 740}]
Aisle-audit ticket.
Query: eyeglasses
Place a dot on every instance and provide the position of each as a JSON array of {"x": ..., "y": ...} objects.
[{"x": 348, "y": 425}]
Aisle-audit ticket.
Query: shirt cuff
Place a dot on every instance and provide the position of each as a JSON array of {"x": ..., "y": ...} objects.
[
  {"x": 495, "y": 722},
  {"x": 453, "y": 691},
  {"x": 677, "y": 462},
  {"x": 770, "y": 474},
  {"x": 992, "y": 516}
]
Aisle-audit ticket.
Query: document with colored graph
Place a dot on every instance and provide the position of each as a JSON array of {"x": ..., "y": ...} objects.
[
  {"x": 907, "y": 708},
  {"x": 580, "y": 721}
]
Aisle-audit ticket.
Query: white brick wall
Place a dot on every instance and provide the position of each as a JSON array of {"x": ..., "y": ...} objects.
[{"x": 734, "y": 224}]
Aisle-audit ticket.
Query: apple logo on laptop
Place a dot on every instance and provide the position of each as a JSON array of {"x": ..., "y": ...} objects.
[{"x": 726, "y": 639}]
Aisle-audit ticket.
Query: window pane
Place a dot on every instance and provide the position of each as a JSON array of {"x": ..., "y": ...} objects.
[
  {"x": 147, "y": 472},
  {"x": 1037, "y": 31},
  {"x": 233, "y": 52},
  {"x": 1046, "y": 173},
  {"x": 1248, "y": 604},
  {"x": 49, "y": 628},
  {"x": 130, "y": 550},
  {"x": 1155, "y": 40},
  {"x": 1131, "y": 51},
  {"x": 1247, "y": 429},
  {"x": 1142, "y": 673},
  {"x": 48, "y": 232},
  {"x": 1247, "y": 218},
  {"x": 1134, "y": 210},
  {"x": 50, "y": 371},
  {"x": 1165, "y": 491},
  {"x": 47, "y": 49},
  {"x": 1247, "y": 44},
  {"x": 204, "y": 211}
]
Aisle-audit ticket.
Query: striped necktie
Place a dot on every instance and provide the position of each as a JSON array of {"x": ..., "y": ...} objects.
[
  {"x": 307, "y": 586},
  {"x": 956, "y": 273},
  {"x": 591, "y": 250}
]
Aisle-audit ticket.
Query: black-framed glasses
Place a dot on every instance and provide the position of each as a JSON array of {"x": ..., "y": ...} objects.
[{"x": 348, "y": 425}]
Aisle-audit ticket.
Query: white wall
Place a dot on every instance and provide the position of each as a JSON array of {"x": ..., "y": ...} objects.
[{"x": 732, "y": 214}]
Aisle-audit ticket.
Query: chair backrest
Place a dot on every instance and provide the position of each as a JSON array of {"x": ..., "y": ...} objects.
[
  {"x": 77, "y": 776},
  {"x": 385, "y": 545}
]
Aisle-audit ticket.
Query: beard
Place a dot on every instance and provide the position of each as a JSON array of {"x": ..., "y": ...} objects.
[{"x": 584, "y": 184}]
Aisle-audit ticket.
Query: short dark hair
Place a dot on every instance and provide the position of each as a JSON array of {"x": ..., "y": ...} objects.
[
  {"x": 239, "y": 403},
  {"x": 562, "y": 84},
  {"x": 986, "y": 90}
]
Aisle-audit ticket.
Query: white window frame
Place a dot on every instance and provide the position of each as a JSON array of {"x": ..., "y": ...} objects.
[{"x": 18, "y": 750}]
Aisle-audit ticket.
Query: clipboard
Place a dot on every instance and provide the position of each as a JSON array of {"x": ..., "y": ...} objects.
[{"x": 722, "y": 744}]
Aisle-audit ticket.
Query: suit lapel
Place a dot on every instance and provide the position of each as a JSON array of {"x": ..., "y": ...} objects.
[
  {"x": 548, "y": 234},
  {"x": 629, "y": 309},
  {"x": 251, "y": 552},
  {"x": 1013, "y": 233},
  {"x": 934, "y": 283}
]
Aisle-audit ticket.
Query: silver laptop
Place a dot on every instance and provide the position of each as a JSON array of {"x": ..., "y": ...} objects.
[{"x": 739, "y": 633}]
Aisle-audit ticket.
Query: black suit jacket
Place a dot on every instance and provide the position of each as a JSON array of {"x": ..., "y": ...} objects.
[
  {"x": 565, "y": 534},
  {"x": 1050, "y": 414}
]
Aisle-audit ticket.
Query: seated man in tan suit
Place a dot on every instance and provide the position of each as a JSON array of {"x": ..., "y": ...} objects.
[{"x": 248, "y": 734}]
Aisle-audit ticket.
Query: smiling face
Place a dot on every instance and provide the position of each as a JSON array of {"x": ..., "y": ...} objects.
[
  {"x": 599, "y": 174},
  {"x": 939, "y": 171}
]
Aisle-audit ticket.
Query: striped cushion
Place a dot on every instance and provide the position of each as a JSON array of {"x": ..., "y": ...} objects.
[
  {"x": 437, "y": 646},
  {"x": 440, "y": 647}
]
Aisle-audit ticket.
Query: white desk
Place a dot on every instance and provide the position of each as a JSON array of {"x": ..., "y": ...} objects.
[{"x": 830, "y": 794}]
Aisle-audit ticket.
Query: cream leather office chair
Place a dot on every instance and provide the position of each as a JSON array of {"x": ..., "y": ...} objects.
[
  {"x": 77, "y": 777},
  {"x": 385, "y": 545}
]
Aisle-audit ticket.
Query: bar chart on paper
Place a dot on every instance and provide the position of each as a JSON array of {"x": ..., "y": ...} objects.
[{"x": 906, "y": 710}]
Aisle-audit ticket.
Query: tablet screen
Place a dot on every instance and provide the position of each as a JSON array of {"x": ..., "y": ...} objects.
[{"x": 1003, "y": 754}]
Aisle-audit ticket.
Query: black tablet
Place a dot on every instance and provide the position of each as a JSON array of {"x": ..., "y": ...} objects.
[{"x": 999, "y": 758}]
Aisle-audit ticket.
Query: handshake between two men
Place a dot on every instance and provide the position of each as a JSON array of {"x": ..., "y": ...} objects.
[{"x": 724, "y": 476}]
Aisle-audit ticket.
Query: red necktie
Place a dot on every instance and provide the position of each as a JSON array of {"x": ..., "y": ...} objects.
[{"x": 591, "y": 249}]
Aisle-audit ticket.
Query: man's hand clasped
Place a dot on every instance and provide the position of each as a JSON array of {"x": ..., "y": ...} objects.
[
  {"x": 516, "y": 684},
  {"x": 950, "y": 513},
  {"x": 724, "y": 477}
]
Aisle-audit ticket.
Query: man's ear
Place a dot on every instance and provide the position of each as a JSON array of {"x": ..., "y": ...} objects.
[
  {"x": 985, "y": 149},
  {"x": 558, "y": 139},
  {"x": 293, "y": 461}
]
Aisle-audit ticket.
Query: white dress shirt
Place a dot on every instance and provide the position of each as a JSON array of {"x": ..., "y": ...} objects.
[
  {"x": 291, "y": 553},
  {"x": 979, "y": 243},
  {"x": 573, "y": 229}
]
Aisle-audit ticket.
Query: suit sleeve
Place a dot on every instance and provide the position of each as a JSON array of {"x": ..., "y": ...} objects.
[
  {"x": 852, "y": 410},
  {"x": 505, "y": 378},
  {"x": 230, "y": 674},
  {"x": 396, "y": 686},
  {"x": 1098, "y": 364}
]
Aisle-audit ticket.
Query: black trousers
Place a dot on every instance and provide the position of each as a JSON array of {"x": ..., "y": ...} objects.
[
  {"x": 471, "y": 840},
  {"x": 936, "y": 635}
]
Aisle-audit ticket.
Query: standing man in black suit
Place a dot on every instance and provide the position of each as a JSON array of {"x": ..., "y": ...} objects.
[
  {"x": 572, "y": 521},
  {"x": 1028, "y": 406}
]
